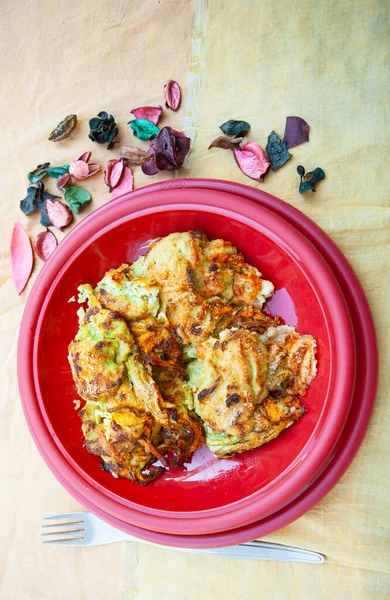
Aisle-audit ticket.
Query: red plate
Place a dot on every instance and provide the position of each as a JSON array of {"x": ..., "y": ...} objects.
[{"x": 307, "y": 293}]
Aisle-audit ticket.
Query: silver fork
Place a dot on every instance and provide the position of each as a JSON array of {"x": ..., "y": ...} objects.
[{"x": 84, "y": 529}]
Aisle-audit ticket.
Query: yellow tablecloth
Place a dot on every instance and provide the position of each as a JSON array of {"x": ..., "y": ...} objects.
[{"x": 261, "y": 61}]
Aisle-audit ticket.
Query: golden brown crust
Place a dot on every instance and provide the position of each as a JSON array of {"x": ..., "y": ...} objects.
[{"x": 176, "y": 347}]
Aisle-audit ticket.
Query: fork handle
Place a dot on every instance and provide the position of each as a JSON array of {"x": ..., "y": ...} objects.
[{"x": 251, "y": 550}]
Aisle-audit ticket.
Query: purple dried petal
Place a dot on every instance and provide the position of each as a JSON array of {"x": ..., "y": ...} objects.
[
  {"x": 166, "y": 152},
  {"x": 150, "y": 113},
  {"x": 149, "y": 164},
  {"x": 172, "y": 95},
  {"x": 296, "y": 131},
  {"x": 45, "y": 244},
  {"x": 252, "y": 160}
]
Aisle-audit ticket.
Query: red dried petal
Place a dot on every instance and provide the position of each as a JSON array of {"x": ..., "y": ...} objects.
[
  {"x": 59, "y": 213},
  {"x": 125, "y": 185},
  {"x": 113, "y": 172},
  {"x": 252, "y": 160},
  {"x": 172, "y": 95},
  {"x": 22, "y": 257},
  {"x": 151, "y": 113},
  {"x": 85, "y": 156},
  {"x": 296, "y": 131},
  {"x": 64, "y": 181},
  {"x": 79, "y": 169},
  {"x": 45, "y": 244}
]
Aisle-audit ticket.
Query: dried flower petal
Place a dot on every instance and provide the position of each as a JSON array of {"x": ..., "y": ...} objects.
[
  {"x": 41, "y": 200},
  {"x": 45, "y": 244},
  {"x": 93, "y": 168},
  {"x": 166, "y": 152},
  {"x": 42, "y": 170},
  {"x": 277, "y": 151},
  {"x": 144, "y": 129},
  {"x": 296, "y": 131},
  {"x": 28, "y": 205},
  {"x": 76, "y": 198},
  {"x": 103, "y": 129},
  {"x": 22, "y": 257},
  {"x": 252, "y": 160},
  {"x": 59, "y": 213},
  {"x": 225, "y": 142},
  {"x": 79, "y": 169},
  {"x": 135, "y": 156},
  {"x": 172, "y": 95},
  {"x": 151, "y": 113},
  {"x": 57, "y": 172},
  {"x": 63, "y": 129},
  {"x": 125, "y": 185},
  {"x": 309, "y": 181},
  {"x": 85, "y": 156},
  {"x": 64, "y": 181},
  {"x": 236, "y": 128},
  {"x": 113, "y": 172},
  {"x": 39, "y": 173}
]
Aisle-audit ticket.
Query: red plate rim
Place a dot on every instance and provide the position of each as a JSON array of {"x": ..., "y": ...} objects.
[
  {"x": 191, "y": 183},
  {"x": 325, "y": 434},
  {"x": 358, "y": 419}
]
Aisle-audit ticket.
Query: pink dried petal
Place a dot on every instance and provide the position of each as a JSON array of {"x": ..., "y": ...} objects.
[
  {"x": 252, "y": 160},
  {"x": 22, "y": 257},
  {"x": 59, "y": 213},
  {"x": 113, "y": 172},
  {"x": 64, "y": 181},
  {"x": 45, "y": 244},
  {"x": 79, "y": 169},
  {"x": 85, "y": 156},
  {"x": 172, "y": 95},
  {"x": 125, "y": 185},
  {"x": 93, "y": 168},
  {"x": 151, "y": 113}
]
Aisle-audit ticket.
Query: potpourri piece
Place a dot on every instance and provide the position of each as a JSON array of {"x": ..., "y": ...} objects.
[
  {"x": 151, "y": 113},
  {"x": 166, "y": 152},
  {"x": 252, "y": 160},
  {"x": 175, "y": 349},
  {"x": 103, "y": 129},
  {"x": 113, "y": 172},
  {"x": 235, "y": 128},
  {"x": 59, "y": 213},
  {"x": 172, "y": 95},
  {"x": 309, "y": 180},
  {"x": 63, "y": 129},
  {"x": 22, "y": 258},
  {"x": 45, "y": 244},
  {"x": 36, "y": 200},
  {"x": 276, "y": 151},
  {"x": 144, "y": 129},
  {"x": 296, "y": 131}
]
